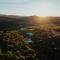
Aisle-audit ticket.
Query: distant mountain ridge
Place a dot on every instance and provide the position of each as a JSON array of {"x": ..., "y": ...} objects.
[{"x": 13, "y": 22}]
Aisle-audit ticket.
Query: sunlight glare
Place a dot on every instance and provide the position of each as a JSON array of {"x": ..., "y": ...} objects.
[{"x": 45, "y": 10}]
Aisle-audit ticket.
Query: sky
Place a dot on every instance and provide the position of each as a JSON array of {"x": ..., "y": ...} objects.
[{"x": 30, "y": 7}]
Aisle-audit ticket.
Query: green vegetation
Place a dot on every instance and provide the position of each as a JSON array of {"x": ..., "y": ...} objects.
[
  {"x": 45, "y": 44},
  {"x": 13, "y": 46}
]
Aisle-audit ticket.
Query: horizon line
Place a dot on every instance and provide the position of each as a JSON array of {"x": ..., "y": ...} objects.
[{"x": 29, "y": 15}]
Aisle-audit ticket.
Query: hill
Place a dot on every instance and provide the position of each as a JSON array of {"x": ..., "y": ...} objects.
[{"x": 12, "y": 22}]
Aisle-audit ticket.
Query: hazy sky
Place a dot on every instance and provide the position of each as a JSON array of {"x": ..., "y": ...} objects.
[{"x": 30, "y": 7}]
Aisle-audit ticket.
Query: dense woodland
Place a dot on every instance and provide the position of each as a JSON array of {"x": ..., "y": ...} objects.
[
  {"x": 44, "y": 46},
  {"x": 13, "y": 46}
]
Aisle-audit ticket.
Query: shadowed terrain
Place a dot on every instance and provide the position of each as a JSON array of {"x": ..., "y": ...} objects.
[
  {"x": 11, "y": 22},
  {"x": 29, "y": 38}
]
